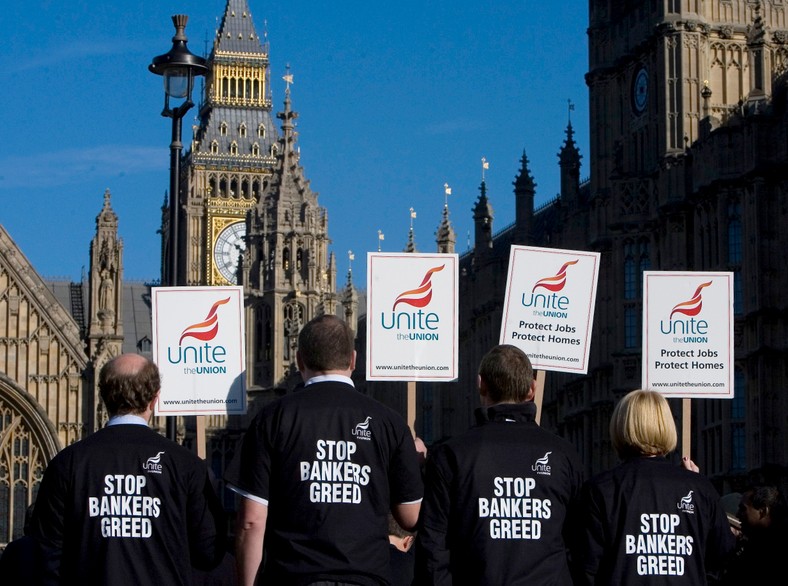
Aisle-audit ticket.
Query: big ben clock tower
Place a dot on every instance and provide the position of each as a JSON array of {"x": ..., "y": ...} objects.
[
  {"x": 232, "y": 154},
  {"x": 249, "y": 216}
]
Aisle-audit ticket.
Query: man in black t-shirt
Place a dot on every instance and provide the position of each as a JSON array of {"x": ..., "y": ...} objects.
[
  {"x": 319, "y": 471},
  {"x": 498, "y": 496},
  {"x": 126, "y": 506}
]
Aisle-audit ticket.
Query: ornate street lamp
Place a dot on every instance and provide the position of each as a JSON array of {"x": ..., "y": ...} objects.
[{"x": 179, "y": 67}]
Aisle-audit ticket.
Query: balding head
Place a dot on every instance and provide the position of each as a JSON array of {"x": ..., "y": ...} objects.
[{"x": 128, "y": 384}]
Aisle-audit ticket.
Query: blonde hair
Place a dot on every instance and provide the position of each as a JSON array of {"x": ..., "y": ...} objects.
[{"x": 642, "y": 425}]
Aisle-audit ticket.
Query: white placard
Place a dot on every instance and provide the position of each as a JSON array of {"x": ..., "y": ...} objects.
[
  {"x": 549, "y": 307},
  {"x": 688, "y": 334},
  {"x": 198, "y": 345},
  {"x": 412, "y": 310}
]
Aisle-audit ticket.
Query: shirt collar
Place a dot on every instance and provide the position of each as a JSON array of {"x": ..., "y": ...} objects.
[
  {"x": 340, "y": 378},
  {"x": 127, "y": 419}
]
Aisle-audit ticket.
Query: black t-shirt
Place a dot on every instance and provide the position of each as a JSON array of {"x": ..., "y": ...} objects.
[
  {"x": 127, "y": 506},
  {"x": 652, "y": 522},
  {"x": 329, "y": 463},
  {"x": 497, "y": 501}
]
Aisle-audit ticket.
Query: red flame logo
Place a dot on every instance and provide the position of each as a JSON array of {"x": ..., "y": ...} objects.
[
  {"x": 420, "y": 296},
  {"x": 556, "y": 282},
  {"x": 693, "y": 306},
  {"x": 206, "y": 329}
]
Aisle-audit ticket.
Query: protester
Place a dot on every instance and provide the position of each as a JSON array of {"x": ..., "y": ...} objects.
[
  {"x": 649, "y": 521},
  {"x": 126, "y": 505},
  {"x": 319, "y": 471},
  {"x": 498, "y": 497},
  {"x": 763, "y": 544}
]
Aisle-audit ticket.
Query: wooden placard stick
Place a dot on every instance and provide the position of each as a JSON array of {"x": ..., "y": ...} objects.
[
  {"x": 412, "y": 406},
  {"x": 539, "y": 394},
  {"x": 686, "y": 425}
]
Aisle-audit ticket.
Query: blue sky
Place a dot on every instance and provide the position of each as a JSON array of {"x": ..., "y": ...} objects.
[{"x": 394, "y": 100}]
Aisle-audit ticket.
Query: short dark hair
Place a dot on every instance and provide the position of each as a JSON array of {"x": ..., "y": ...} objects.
[
  {"x": 326, "y": 343},
  {"x": 507, "y": 373},
  {"x": 762, "y": 496},
  {"x": 128, "y": 384}
]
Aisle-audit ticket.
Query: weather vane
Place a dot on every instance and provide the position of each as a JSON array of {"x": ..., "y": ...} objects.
[
  {"x": 288, "y": 77},
  {"x": 380, "y": 238},
  {"x": 446, "y": 194},
  {"x": 412, "y": 216},
  {"x": 569, "y": 113},
  {"x": 350, "y": 257},
  {"x": 485, "y": 165}
]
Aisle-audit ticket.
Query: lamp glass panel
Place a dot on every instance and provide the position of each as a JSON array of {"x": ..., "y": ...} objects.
[{"x": 176, "y": 82}]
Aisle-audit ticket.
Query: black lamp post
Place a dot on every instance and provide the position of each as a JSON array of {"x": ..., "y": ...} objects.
[{"x": 179, "y": 67}]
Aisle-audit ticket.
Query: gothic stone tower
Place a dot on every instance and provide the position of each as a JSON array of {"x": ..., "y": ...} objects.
[
  {"x": 232, "y": 153},
  {"x": 289, "y": 277},
  {"x": 682, "y": 178},
  {"x": 105, "y": 306}
]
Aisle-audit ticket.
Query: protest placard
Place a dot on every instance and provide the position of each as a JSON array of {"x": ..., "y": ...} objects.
[{"x": 198, "y": 345}]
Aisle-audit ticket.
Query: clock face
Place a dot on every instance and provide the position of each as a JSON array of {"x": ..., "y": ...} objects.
[
  {"x": 228, "y": 248},
  {"x": 640, "y": 91}
]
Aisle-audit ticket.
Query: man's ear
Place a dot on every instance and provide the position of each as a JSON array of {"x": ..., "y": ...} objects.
[
  {"x": 481, "y": 385},
  {"x": 407, "y": 542},
  {"x": 529, "y": 396},
  {"x": 353, "y": 361},
  {"x": 299, "y": 361},
  {"x": 150, "y": 409}
]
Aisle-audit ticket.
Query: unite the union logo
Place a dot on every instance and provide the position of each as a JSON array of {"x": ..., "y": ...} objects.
[
  {"x": 421, "y": 295},
  {"x": 153, "y": 464},
  {"x": 203, "y": 357},
  {"x": 692, "y": 306},
  {"x": 207, "y": 328},
  {"x": 416, "y": 324},
  {"x": 362, "y": 431},
  {"x": 558, "y": 281},
  {"x": 552, "y": 303},
  {"x": 685, "y": 504},
  {"x": 687, "y": 327},
  {"x": 542, "y": 465}
]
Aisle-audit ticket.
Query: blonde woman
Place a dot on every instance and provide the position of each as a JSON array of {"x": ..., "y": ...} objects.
[{"x": 648, "y": 520}]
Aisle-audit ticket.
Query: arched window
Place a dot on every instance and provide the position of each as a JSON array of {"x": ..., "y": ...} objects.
[
  {"x": 214, "y": 147},
  {"x": 242, "y": 129},
  {"x": 233, "y": 148},
  {"x": 286, "y": 258},
  {"x": 256, "y": 150},
  {"x": 223, "y": 129},
  {"x": 261, "y": 131}
]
